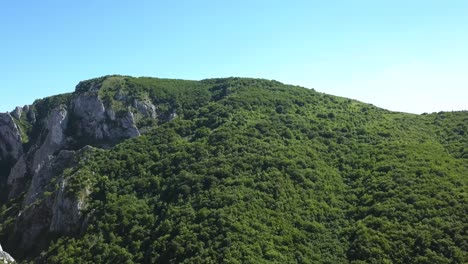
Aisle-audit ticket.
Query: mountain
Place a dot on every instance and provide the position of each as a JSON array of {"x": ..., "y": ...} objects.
[{"x": 233, "y": 170}]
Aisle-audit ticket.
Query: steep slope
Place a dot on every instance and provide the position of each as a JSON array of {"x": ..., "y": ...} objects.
[
  {"x": 231, "y": 170},
  {"x": 39, "y": 142}
]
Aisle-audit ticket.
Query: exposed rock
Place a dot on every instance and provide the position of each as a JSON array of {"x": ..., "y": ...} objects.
[
  {"x": 55, "y": 139},
  {"x": 10, "y": 138},
  {"x": 47, "y": 209},
  {"x": 56, "y": 142},
  {"x": 16, "y": 179},
  {"x": 31, "y": 162},
  {"x": 95, "y": 122},
  {"x": 110, "y": 113},
  {"x": 67, "y": 210},
  {"x": 91, "y": 121},
  {"x": 38, "y": 166},
  {"x": 129, "y": 130},
  {"x": 146, "y": 108},
  {"x": 17, "y": 112},
  {"x": 18, "y": 170},
  {"x": 5, "y": 257},
  {"x": 89, "y": 113},
  {"x": 11, "y": 148},
  {"x": 31, "y": 115},
  {"x": 42, "y": 178},
  {"x": 30, "y": 225}
]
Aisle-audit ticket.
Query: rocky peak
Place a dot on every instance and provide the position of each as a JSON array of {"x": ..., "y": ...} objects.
[{"x": 17, "y": 112}]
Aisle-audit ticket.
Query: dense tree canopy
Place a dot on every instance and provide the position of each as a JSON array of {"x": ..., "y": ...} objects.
[{"x": 255, "y": 171}]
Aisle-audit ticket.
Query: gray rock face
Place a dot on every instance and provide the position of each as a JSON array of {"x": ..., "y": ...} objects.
[
  {"x": 57, "y": 143},
  {"x": 16, "y": 177},
  {"x": 95, "y": 122},
  {"x": 47, "y": 206},
  {"x": 11, "y": 146},
  {"x": 5, "y": 257},
  {"x": 90, "y": 113},
  {"x": 129, "y": 129},
  {"x": 47, "y": 209},
  {"x": 17, "y": 112},
  {"x": 146, "y": 108},
  {"x": 40, "y": 154},
  {"x": 30, "y": 114},
  {"x": 55, "y": 139},
  {"x": 42, "y": 178},
  {"x": 40, "y": 165},
  {"x": 67, "y": 210}
]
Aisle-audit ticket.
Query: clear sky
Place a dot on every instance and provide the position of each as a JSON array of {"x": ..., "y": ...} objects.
[{"x": 403, "y": 55}]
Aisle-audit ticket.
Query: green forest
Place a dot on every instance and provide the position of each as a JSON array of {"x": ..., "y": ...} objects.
[{"x": 256, "y": 171}]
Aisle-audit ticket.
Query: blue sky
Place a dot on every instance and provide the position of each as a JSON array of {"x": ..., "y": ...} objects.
[{"x": 408, "y": 56}]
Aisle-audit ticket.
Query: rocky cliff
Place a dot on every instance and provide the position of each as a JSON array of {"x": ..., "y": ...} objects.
[
  {"x": 38, "y": 143},
  {"x": 11, "y": 149}
]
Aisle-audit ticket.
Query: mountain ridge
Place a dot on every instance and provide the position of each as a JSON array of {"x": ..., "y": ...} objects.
[{"x": 335, "y": 170}]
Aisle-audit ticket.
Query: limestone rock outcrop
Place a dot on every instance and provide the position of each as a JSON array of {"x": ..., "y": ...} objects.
[
  {"x": 96, "y": 123},
  {"x": 11, "y": 146},
  {"x": 32, "y": 170},
  {"x": 11, "y": 149}
]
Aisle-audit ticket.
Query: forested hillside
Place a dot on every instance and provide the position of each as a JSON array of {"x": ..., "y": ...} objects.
[{"x": 240, "y": 170}]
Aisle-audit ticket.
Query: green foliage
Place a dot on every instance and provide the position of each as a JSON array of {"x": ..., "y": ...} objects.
[
  {"x": 254, "y": 171},
  {"x": 42, "y": 107},
  {"x": 25, "y": 128}
]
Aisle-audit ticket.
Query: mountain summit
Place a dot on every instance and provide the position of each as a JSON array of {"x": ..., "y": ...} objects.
[{"x": 232, "y": 170}]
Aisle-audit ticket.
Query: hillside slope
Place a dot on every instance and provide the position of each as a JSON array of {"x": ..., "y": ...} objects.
[{"x": 235, "y": 170}]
